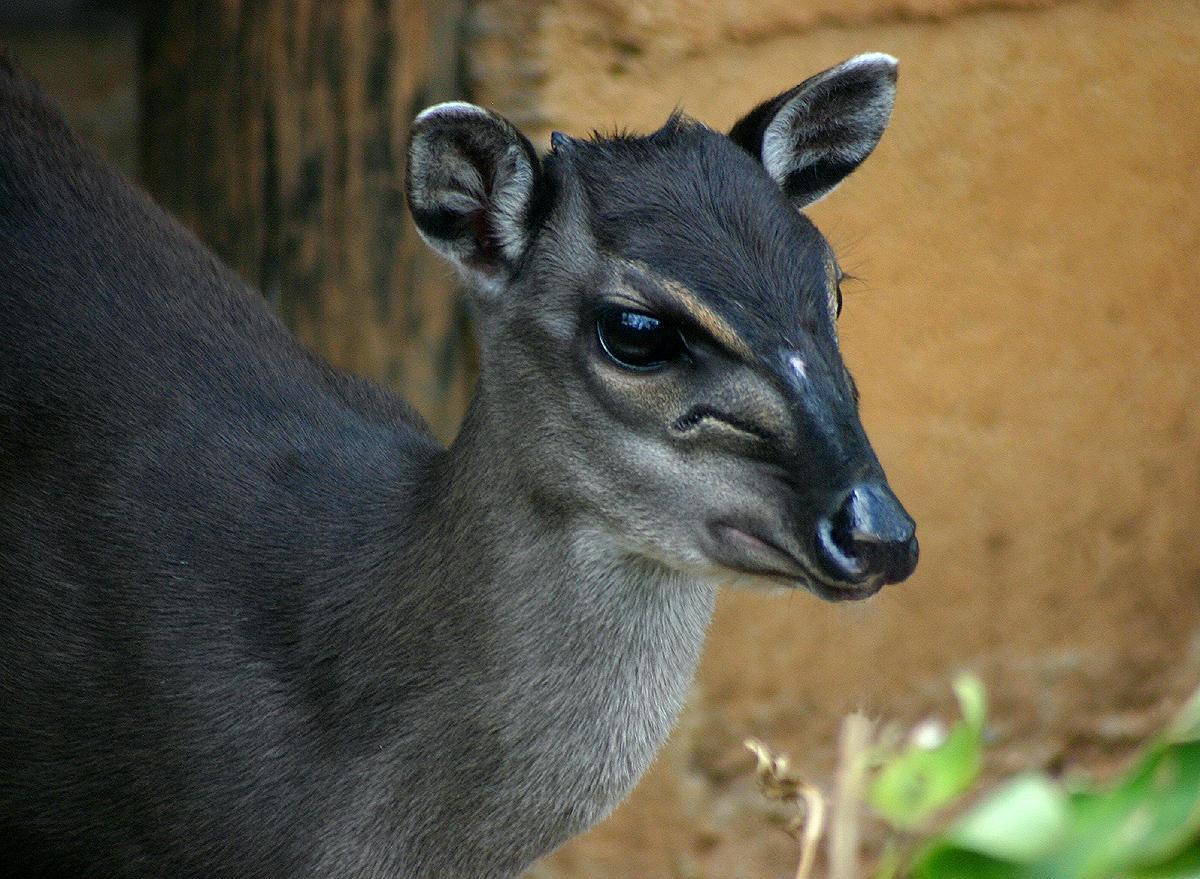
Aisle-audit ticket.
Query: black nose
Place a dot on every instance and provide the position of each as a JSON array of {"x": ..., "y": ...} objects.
[{"x": 869, "y": 537}]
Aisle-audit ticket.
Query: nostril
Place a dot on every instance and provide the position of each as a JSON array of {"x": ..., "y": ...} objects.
[
  {"x": 869, "y": 536},
  {"x": 842, "y": 530},
  {"x": 838, "y": 551}
]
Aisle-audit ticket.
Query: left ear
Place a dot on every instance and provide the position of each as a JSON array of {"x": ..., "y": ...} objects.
[
  {"x": 810, "y": 137},
  {"x": 471, "y": 183}
]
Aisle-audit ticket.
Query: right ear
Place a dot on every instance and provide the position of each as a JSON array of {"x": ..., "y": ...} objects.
[
  {"x": 810, "y": 137},
  {"x": 470, "y": 185}
]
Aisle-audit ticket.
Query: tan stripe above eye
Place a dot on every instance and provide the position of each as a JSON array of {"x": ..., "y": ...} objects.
[{"x": 711, "y": 322}]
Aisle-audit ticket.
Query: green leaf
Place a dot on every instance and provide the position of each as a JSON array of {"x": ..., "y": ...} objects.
[
  {"x": 949, "y": 862},
  {"x": 919, "y": 781},
  {"x": 1149, "y": 816},
  {"x": 972, "y": 700},
  {"x": 1020, "y": 822},
  {"x": 1185, "y": 865},
  {"x": 1144, "y": 826}
]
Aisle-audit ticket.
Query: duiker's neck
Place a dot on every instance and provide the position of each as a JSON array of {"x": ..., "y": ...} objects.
[
  {"x": 571, "y": 654},
  {"x": 551, "y": 582}
]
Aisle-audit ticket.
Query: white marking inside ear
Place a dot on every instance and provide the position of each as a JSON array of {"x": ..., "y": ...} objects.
[
  {"x": 797, "y": 365},
  {"x": 777, "y": 153},
  {"x": 510, "y": 201},
  {"x": 451, "y": 108}
]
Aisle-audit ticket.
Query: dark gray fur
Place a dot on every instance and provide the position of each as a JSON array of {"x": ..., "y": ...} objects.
[{"x": 256, "y": 622}]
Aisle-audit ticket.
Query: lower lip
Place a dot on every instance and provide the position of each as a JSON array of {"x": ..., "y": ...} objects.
[
  {"x": 762, "y": 558},
  {"x": 845, "y": 593}
]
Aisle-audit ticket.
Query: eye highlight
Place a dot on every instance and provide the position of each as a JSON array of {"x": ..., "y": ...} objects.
[{"x": 636, "y": 340}]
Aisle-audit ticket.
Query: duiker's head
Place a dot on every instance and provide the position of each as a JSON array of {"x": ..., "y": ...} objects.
[{"x": 657, "y": 329}]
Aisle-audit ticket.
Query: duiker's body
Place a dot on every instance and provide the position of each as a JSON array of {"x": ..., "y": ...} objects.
[{"x": 256, "y": 622}]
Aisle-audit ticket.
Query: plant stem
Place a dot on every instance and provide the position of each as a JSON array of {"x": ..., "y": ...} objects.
[{"x": 853, "y": 743}]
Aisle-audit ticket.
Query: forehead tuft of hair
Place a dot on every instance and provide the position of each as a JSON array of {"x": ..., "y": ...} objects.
[{"x": 696, "y": 208}]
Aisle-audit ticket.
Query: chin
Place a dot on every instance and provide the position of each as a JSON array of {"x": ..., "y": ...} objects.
[{"x": 779, "y": 584}]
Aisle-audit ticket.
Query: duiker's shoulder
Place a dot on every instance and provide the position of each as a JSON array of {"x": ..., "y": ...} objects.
[{"x": 29, "y": 120}]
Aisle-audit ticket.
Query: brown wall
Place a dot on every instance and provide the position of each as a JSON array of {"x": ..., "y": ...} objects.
[
  {"x": 1025, "y": 340},
  {"x": 276, "y": 130}
]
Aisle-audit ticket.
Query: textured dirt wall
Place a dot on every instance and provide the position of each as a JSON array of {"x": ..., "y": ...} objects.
[{"x": 1025, "y": 337}]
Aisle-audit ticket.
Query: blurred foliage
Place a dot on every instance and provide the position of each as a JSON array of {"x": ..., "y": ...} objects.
[
  {"x": 914, "y": 784},
  {"x": 1143, "y": 825}
]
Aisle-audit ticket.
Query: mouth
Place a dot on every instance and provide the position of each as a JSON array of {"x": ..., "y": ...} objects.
[{"x": 746, "y": 550}]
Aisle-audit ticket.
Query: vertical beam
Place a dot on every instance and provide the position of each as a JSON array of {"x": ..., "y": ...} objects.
[{"x": 276, "y": 129}]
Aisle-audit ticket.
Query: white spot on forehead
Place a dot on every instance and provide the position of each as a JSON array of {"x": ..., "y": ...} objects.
[{"x": 796, "y": 364}]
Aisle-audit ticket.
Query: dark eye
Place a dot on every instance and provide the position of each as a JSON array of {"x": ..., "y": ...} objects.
[{"x": 636, "y": 340}]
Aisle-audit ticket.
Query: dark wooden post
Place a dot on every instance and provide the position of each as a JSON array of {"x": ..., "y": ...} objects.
[{"x": 276, "y": 129}]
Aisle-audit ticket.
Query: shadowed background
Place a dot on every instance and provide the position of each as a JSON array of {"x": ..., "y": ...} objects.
[{"x": 1023, "y": 326}]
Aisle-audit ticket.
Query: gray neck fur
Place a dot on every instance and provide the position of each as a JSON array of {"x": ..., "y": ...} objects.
[{"x": 541, "y": 668}]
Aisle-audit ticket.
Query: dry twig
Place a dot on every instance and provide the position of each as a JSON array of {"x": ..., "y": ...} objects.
[{"x": 777, "y": 782}]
